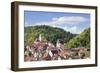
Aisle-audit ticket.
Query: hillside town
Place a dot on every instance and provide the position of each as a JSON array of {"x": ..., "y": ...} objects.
[{"x": 40, "y": 50}]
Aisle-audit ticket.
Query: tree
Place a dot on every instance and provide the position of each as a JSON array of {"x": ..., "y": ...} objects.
[
  {"x": 82, "y": 40},
  {"x": 48, "y": 33}
]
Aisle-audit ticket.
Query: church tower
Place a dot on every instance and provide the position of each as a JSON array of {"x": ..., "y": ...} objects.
[
  {"x": 40, "y": 38},
  {"x": 58, "y": 44}
]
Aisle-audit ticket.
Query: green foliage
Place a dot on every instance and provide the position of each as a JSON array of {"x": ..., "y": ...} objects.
[
  {"x": 48, "y": 33},
  {"x": 82, "y": 40}
]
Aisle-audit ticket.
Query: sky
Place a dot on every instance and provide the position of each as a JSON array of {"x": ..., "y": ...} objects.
[{"x": 72, "y": 22}]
